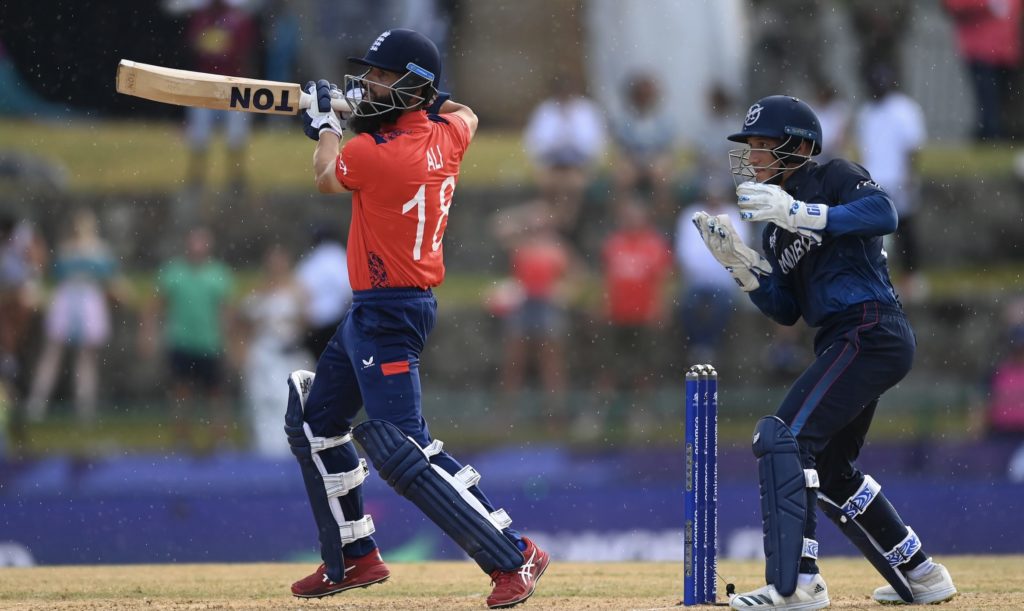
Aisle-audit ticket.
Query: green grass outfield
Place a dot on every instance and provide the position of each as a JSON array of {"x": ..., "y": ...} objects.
[
  {"x": 132, "y": 156},
  {"x": 984, "y": 582}
]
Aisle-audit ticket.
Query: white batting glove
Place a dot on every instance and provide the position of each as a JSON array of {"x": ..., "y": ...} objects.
[
  {"x": 320, "y": 116},
  {"x": 761, "y": 202},
  {"x": 743, "y": 262}
]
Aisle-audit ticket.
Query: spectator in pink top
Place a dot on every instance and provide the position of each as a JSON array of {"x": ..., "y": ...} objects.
[{"x": 988, "y": 34}]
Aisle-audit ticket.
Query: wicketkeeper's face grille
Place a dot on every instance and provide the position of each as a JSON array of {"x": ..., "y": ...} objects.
[{"x": 765, "y": 164}]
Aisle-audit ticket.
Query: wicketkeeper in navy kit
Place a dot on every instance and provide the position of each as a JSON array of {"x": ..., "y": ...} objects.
[
  {"x": 823, "y": 262},
  {"x": 401, "y": 165}
]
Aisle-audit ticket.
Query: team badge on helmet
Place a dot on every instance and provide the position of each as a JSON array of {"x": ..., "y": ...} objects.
[{"x": 753, "y": 114}]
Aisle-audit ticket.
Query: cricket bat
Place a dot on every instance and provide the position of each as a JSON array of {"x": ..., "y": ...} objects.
[{"x": 188, "y": 88}]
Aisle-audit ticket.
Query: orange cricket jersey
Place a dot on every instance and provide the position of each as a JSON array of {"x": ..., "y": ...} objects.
[{"x": 402, "y": 180}]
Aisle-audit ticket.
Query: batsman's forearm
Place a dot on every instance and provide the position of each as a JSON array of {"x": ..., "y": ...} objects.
[{"x": 324, "y": 158}]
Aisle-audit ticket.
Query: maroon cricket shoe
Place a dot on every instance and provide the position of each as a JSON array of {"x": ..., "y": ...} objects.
[
  {"x": 359, "y": 573},
  {"x": 515, "y": 586}
]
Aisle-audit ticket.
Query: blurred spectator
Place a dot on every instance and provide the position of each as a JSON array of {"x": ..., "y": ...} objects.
[
  {"x": 890, "y": 130},
  {"x": 708, "y": 298},
  {"x": 221, "y": 39},
  {"x": 564, "y": 138},
  {"x": 536, "y": 327},
  {"x": 711, "y": 145},
  {"x": 835, "y": 116},
  {"x": 323, "y": 277},
  {"x": 282, "y": 41},
  {"x": 644, "y": 135},
  {"x": 988, "y": 34},
  {"x": 1004, "y": 414},
  {"x": 273, "y": 319},
  {"x": 788, "y": 46},
  {"x": 17, "y": 98},
  {"x": 85, "y": 273},
  {"x": 636, "y": 261},
  {"x": 22, "y": 259},
  {"x": 880, "y": 27},
  {"x": 192, "y": 298},
  {"x": 282, "y": 33}
]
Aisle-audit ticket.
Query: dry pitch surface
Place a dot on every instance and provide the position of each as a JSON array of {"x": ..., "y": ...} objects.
[{"x": 985, "y": 582}]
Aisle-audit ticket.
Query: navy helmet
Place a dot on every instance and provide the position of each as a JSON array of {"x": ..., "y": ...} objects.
[
  {"x": 405, "y": 52},
  {"x": 781, "y": 117}
]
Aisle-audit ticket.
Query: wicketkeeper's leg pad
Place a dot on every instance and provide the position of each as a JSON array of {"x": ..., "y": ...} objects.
[
  {"x": 333, "y": 474},
  {"x": 784, "y": 484},
  {"x": 445, "y": 498},
  {"x": 848, "y": 516}
]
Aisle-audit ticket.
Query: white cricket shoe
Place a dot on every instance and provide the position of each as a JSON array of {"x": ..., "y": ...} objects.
[
  {"x": 934, "y": 587},
  {"x": 813, "y": 595}
]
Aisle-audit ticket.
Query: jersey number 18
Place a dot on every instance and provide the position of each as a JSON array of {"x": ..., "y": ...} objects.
[{"x": 419, "y": 203}]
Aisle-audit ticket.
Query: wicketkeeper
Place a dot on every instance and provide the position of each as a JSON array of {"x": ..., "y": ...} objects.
[{"x": 824, "y": 263}]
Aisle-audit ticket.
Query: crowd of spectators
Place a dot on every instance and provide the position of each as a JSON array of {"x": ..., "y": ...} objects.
[{"x": 610, "y": 207}]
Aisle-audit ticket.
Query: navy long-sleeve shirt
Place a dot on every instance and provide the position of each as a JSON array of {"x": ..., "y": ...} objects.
[{"x": 816, "y": 281}]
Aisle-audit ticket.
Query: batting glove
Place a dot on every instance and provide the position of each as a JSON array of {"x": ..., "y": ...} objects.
[
  {"x": 320, "y": 116},
  {"x": 761, "y": 202},
  {"x": 743, "y": 262}
]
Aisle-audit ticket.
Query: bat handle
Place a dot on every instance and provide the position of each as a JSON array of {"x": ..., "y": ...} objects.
[{"x": 338, "y": 104}]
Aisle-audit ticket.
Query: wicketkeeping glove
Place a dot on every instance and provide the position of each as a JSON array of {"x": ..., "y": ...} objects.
[
  {"x": 761, "y": 202},
  {"x": 743, "y": 262},
  {"x": 320, "y": 116}
]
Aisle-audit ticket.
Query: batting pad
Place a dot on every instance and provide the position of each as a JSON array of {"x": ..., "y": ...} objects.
[
  {"x": 443, "y": 497},
  {"x": 784, "y": 484},
  {"x": 334, "y": 497},
  {"x": 886, "y": 562}
]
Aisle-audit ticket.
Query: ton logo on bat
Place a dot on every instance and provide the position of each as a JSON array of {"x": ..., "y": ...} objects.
[{"x": 262, "y": 99}]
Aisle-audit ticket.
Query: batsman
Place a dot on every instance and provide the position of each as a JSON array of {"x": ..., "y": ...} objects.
[
  {"x": 401, "y": 166},
  {"x": 823, "y": 262}
]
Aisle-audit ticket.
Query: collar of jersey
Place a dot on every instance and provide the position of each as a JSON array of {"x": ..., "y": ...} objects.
[
  {"x": 797, "y": 179},
  {"x": 408, "y": 121}
]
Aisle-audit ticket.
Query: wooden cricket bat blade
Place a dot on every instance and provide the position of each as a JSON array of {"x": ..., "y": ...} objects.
[{"x": 203, "y": 90}]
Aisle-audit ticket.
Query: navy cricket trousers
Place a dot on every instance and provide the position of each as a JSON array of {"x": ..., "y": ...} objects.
[
  {"x": 372, "y": 362},
  {"x": 861, "y": 353}
]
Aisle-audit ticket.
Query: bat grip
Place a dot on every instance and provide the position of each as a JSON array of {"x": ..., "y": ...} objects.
[{"x": 338, "y": 104}]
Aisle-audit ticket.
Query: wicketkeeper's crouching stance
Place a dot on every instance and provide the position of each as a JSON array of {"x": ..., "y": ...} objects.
[
  {"x": 825, "y": 264},
  {"x": 401, "y": 168}
]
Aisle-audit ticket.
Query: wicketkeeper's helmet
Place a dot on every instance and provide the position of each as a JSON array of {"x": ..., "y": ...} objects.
[{"x": 784, "y": 118}]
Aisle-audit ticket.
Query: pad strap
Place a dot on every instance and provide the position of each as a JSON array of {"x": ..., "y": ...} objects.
[
  {"x": 356, "y": 529},
  {"x": 903, "y": 551},
  {"x": 338, "y": 484},
  {"x": 859, "y": 501},
  {"x": 318, "y": 444},
  {"x": 810, "y": 478},
  {"x": 461, "y": 482},
  {"x": 810, "y": 549}
]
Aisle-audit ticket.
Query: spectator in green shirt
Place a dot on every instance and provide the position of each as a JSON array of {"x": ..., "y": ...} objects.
[{"x": 193, "y": 303}]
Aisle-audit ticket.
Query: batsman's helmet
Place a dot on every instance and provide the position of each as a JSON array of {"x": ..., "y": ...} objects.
[
  {"x": 405, "y": 52},
  {"x": 781, "y": 117}
]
